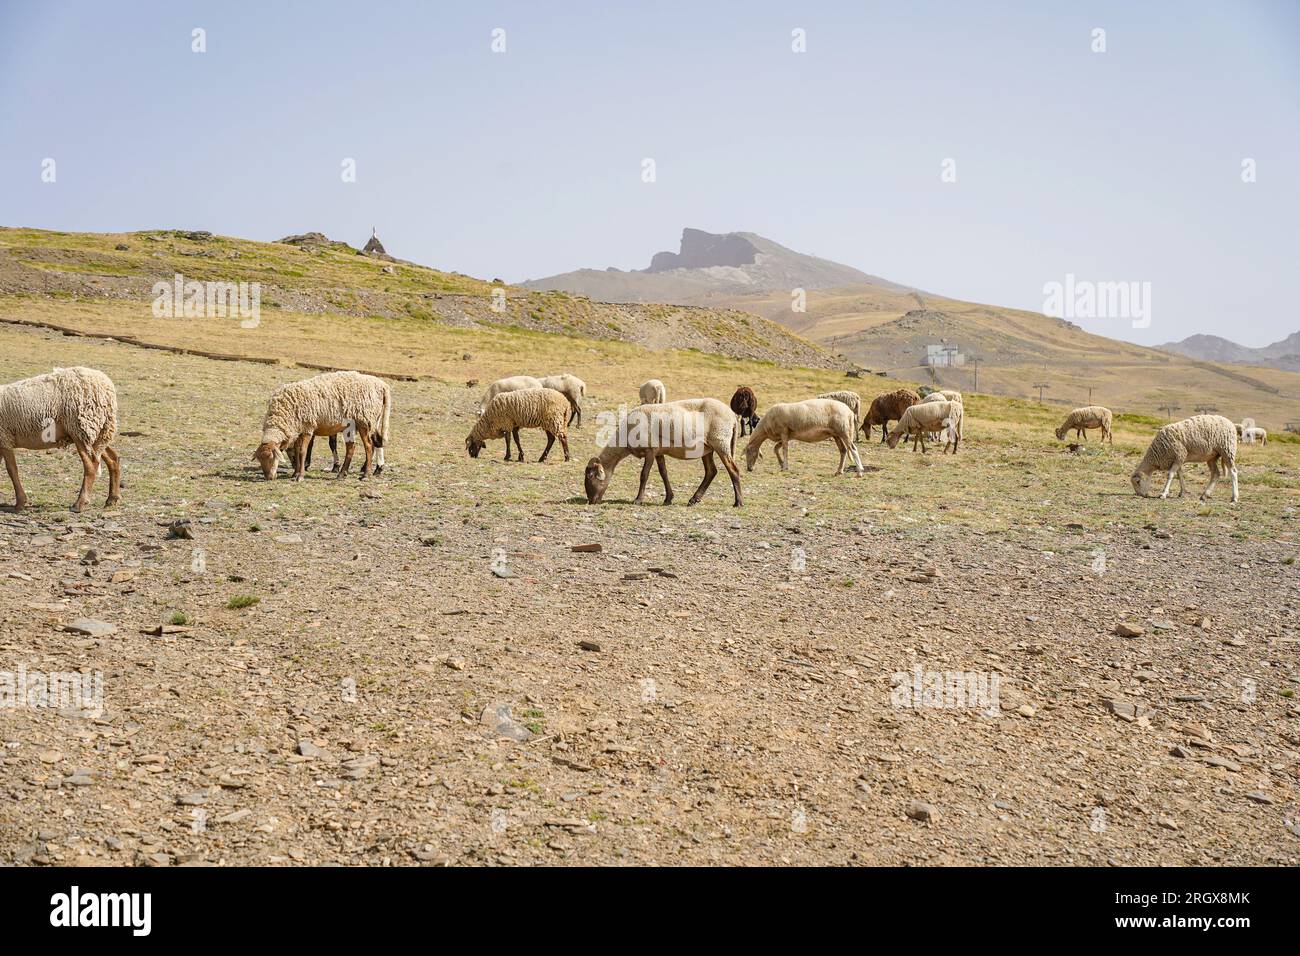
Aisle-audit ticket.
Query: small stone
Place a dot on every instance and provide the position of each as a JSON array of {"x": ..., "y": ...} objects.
[
  {"x": 923, "y": 812},
  {"x": 1129, "y": 630},
  {"x": 180, "y": 529},
  {"x": 194, "y": 799},
  {"x": 498, "y": 719},
  {"x": 308, "y": 749},
  {"x": 1024, "y": 710},
  {"x": 1258, "y": 796},
  {"x": 90, "y": 627},
  {"x": 589, "y": 645},
  {"x": 288, "y": 538},
  {"x": 456, "y": 663},
  {"x": 1167, "y": 823},
  {"x": 1216, "y": 761},
  {"x": 587, "y": 548}
]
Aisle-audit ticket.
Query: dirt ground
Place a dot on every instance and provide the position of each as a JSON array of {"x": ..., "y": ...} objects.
[{"x": 714, "y": 686}]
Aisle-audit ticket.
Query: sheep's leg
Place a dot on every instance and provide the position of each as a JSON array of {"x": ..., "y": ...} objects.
[
  {"x": 114, "y": 477},
  {"x": 1214, "y": 477},
  {"x": 1231, "y": 465},
  {"x": 663, "y": 475},
  {"x": 507, "y": 458},
  {"x": 857, "y": 459},
  {"x": 300, "y": 455},
  {"x": 550, "y": 440},
  {"x": 334, "y": 450},
  {"x": 348, "y": 449},
  {"x": 733, "y": 472},
  {"x": 710, "y": 469},
  {"x": 307, "y": 464},
  {"x": 647, "y": 463},
  {"x": 11, "y": 466},
  {"x": 782, "y": 454},
  {"x": 1182, "y": 486},
  {"x": 1168, "y": 481},
  {"x": 564, "y": 443},
  {"x": 369, "y": 446},
  {"x": 89, "y": 469},
  {"x": 518, "y": 447},
  {"x": 843, "y": 454}
]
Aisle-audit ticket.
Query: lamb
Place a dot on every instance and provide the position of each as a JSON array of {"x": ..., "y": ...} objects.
[
  {"x": 323, "y": 405},
  {"x": 653, "y": 392},
  {"x": 930, "y": 417},
  {"x": 886, "y": 408},
  {"x": 688, "y": 428},
  {"x": 507, "y": 412},
  {"x": 69, "y": 406},
  {"x": 812, "y": 420},
  {"x": 851, "y": 399},
  {"x": 349, "y": 435},
  {"x": 1208, "y": 438},
  {"x": 745, "y": 404},
  {"x": 512, "y": 384},
  {"x": 572, "y": 388},
  {"x": 1089, "y": 416},
  {"x": 1254, "y": 434}
]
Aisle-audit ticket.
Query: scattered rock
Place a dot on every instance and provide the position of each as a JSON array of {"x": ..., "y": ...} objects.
[
  {"x": 923, "y": 812},
  {"x": 1129, "y": 630},
  {"x": 90, "y": 627},
  {"x": 498, "y": 719}
]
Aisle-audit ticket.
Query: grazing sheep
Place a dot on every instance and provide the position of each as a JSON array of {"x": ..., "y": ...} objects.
[
  {"x": 851, "y": 399},
  {"x": 1208, "y": 438},
  {"x": 745, "y": 404},
  {"x": 928, "y": 418},
  {"x": 512, "y": 384},
  {"x": 323, "y": 405},
  {"x": 653, "y": 392},
  {"x": 507, "y": 412},
  {"x": 1089, "y": 416},
  {"x": 69, "y": 406},
  {"x": 688, "y": 428},
  {"x": 572, "y": 388},
  {"x": 812, "y": 420},
  {"x": 887, "y": 408},
  {"x": 1254, "y": 434}
]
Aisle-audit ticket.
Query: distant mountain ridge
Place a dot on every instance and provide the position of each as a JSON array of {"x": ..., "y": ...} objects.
[
  {"x": 1214, "y": 348},
  {"x": 708, "y": 265}
]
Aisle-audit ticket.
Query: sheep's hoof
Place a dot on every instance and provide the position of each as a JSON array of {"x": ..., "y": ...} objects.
[
  {"x": 668, "y": 500},
  {"x": 693, "y": 501},
  {"x": 113, "y": 502},
  {"x": 77, "y": 506}
]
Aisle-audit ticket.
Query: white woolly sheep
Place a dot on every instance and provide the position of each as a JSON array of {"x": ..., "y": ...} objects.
[
  {"x": 1088, "y": 416},
  {"x": 323, "y": 405},
  {"x": 507, "y": 412},
  {"x": 572, "y": 388},
  {"x": 688, "y": 428},
  {"x": 69, "y": 406},
  {"x": 653, "y": 392},
  {"x": 851, "y": 399},
  {"x": 1254, "y": 434},
  {"x": 1208, "y": 438},
  {"x": 928, "y": 417},
  {"x": 512, "y": 384},
  {"x": 812, "y": 420}
]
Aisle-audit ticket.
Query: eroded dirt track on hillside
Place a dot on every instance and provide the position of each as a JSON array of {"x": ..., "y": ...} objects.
[{"x": 735, "y": 699}]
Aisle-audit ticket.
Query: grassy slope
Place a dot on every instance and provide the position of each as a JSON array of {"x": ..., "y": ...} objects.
[
  {"x": 1017, "y": 349},
  {"x": 40, "y": 266}
]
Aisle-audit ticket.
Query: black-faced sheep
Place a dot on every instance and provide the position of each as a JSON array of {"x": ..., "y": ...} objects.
[{"x": 745, "y": 404}]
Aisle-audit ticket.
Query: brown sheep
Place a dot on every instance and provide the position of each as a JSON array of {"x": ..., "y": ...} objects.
[
  {"x": 888, "y": 408},
  {"x": 745, "y": 404}
]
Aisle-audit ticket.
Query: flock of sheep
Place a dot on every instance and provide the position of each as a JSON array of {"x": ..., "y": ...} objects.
[{"x": 78, "y": 407}]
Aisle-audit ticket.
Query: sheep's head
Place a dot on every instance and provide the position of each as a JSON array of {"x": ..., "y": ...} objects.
[
  {"x": 1060, "y": 432},
  {"x": 473, "y": 446},
  {"x": 894, "y": 437},
  {"x": 1138, "y": 480},
  {"x": 595, "y": 480},
  {"x": 753, "y": 452},
  {"x": 267, "y": 455}
]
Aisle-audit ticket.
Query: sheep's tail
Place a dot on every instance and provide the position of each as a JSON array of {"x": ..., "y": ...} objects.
[{"x": 388, "y": 415}]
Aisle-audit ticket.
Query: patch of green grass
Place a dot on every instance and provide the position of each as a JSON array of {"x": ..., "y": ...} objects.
[
  {"x": 178, "y": 618},
  {"x": 240, "y": 601}
]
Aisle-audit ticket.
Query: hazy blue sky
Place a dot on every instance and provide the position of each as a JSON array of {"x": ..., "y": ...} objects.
[{"x": 1123, "y": 165}]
